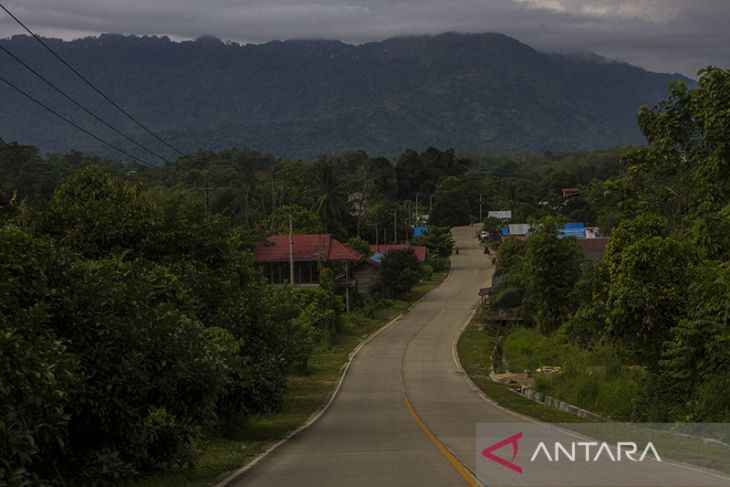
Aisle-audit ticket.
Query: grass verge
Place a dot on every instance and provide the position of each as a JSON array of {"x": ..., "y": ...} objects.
[
  {"x": 306, "y": 394},
  {"x": 475, "y": 349}
]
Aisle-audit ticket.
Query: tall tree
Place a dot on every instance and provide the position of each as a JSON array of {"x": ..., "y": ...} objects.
[
  {"x": 450, "y": 205},
  {"x": 551, "y": 267},
  {"x": 331, "y": 200}
]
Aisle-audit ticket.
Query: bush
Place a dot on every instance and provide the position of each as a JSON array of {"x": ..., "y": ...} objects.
[
  {"x": 438, "y": 241},
  {"x": 318, "y": 319},
  {"x": 104, "y": 372},
  {"x": 139, "y": 351},
  {"x": 437, "y": 263},
  {"x": 399, "y": 271},
  {"x": 426, "y": 272},
  {"x": 37, "y": 374}
]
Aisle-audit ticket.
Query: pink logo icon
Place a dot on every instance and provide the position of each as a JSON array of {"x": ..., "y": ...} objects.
[{"x": 487, "y": 452}]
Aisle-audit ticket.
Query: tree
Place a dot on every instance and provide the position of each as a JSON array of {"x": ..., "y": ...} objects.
[
  {"x": 438, "y": 241},
  {"x": 551, "y": 267},
  {"x": 37, "y": 374},
  {"x": 411, "y": 173},
  {"x": 399, "y": 271},
  {"x": 359, "y": 245},
  {"x": 647, "y": 293},
  {"x": 450, "y": 206},
  {"x": 331, "y": 200},
  {"x": 303, "y": 221},
  {"x": 96, "y": 214}
]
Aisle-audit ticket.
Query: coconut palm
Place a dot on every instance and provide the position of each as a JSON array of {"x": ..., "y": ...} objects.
[{"x": 331, "y": 195}]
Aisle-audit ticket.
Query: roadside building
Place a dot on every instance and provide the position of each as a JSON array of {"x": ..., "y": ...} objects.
[
  {"x": 516, "y": 230},
  {"x": 309, "y": 252}
]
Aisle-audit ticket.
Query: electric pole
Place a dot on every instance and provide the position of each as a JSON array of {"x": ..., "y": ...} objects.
[
  {"x": 291, "y": 252},
  {"x": 395, "y": 226},
  {"x": 481, "y": 220}
]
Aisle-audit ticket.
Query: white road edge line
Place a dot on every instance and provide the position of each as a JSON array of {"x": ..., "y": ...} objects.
[{"x": 313, "y": 419}]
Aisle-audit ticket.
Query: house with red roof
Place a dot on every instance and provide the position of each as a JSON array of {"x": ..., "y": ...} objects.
[{"x": 309, "y": 252}]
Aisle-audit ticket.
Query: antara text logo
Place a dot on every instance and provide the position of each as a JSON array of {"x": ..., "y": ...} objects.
[{"x": 572, "y": 452}]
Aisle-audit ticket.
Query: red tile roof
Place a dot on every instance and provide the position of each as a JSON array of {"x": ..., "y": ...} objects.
[
  {"x": 419, "y": 250},
  {"x": 307, "y": 248}
]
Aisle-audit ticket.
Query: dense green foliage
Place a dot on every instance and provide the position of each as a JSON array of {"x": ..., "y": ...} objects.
[
  {"x": 400, "y": 272},
  {"x": 449, "y": 206},
  {"x": 539, "y": 275},
  {"x": 479, "y": 92},
  {"x": 130, "y": 321},
  {"x": 659, "y": 299}
]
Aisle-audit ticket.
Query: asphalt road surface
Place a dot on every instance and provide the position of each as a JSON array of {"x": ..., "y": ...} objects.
[{"x": 405, "y": 415}]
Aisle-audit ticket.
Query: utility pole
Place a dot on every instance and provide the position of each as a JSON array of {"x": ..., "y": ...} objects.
[
  {"x": 206, "y": 191},
  {"x": 481, "y": 220},
  {"x": 395, "y": 225},
  {"x": 291, "y": 252},
  {"x": 377, "y": 239},
  {"x": 416, "y": 218},
  {"x": 430, "y": 205}
]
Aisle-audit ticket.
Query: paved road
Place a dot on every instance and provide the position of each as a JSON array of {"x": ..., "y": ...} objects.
[
  {"x": 404, "y": 415},
  {"x": 369, "y": 436}
]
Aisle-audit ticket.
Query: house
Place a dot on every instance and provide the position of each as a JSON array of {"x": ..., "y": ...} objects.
[
  {"x": 516, "y": 230},
  {"x": 593, "y": 232},
  {"x": 593, "y": 247},
  {"x": 309, "y": 252},
  {"x": 420, "y": 250}
]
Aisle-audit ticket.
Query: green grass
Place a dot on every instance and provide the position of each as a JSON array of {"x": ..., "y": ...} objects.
[
  {"x": 475, "y": 349},
  {"x": 594, "y": 379},
  {"x": 306, "y": 394}
]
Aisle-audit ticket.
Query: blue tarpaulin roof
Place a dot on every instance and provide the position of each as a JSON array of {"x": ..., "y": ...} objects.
[
  {"x": 419, "y": 231},
  {"x": 573, "y": 230}
]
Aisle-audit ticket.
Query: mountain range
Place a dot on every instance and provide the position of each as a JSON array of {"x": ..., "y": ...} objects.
[{"x": 473, "y": 92}]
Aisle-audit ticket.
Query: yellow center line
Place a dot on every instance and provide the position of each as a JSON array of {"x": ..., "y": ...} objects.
[{"x": 455, "y": 462}]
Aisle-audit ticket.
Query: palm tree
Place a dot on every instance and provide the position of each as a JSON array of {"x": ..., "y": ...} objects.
[{"x": 331, "y": 202}]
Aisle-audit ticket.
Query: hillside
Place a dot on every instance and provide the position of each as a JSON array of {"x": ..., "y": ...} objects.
[{"x": 479, "y": 92}]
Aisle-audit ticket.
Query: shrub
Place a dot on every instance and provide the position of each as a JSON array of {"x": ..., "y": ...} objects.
[
  {"x": 399, "y": 271},
  {"x": 37, "y": 374}
]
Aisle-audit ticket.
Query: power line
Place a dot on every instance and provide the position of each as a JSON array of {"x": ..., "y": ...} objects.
[
  {"x": 70, "y": 122},
  {"x": 85, "y": 80},
  {"x": 82, "y": 107}
]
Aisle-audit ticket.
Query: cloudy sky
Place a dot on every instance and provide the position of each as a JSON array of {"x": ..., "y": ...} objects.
[{"x": 660, "y": 35}]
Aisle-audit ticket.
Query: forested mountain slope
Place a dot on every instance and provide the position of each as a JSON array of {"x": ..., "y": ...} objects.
[{"x": 478, "y": 92}]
